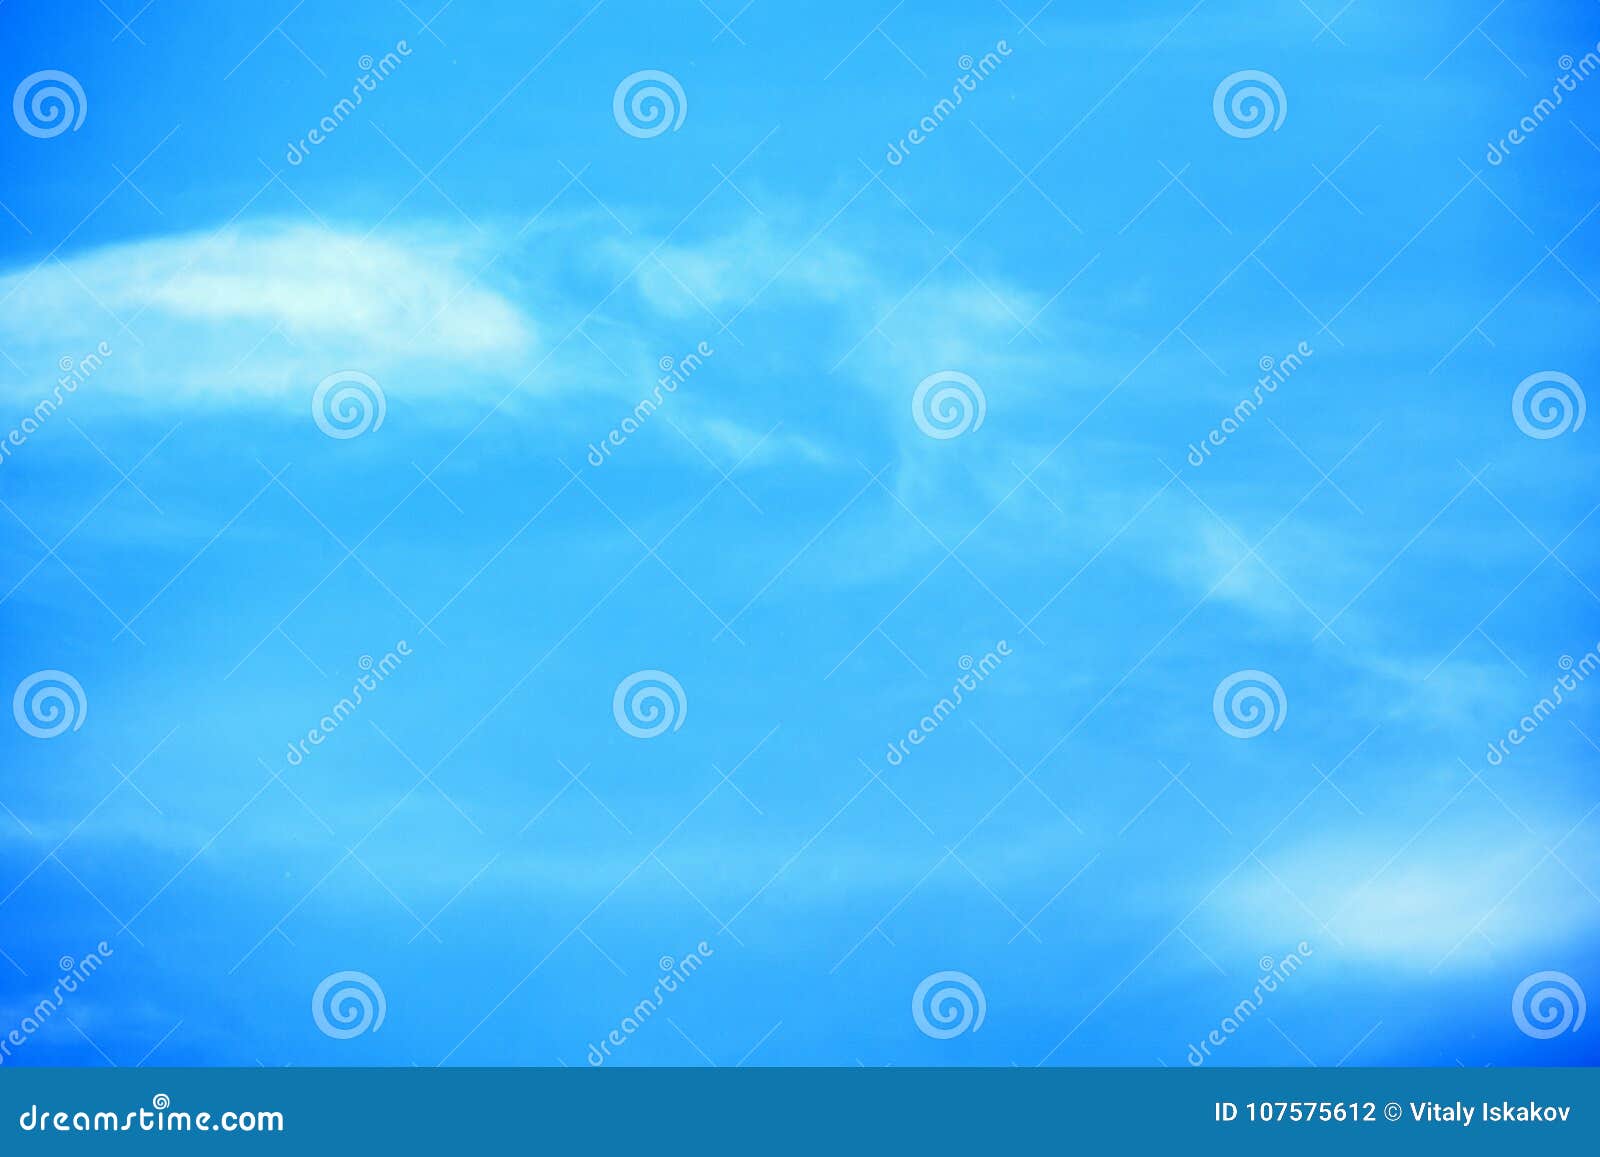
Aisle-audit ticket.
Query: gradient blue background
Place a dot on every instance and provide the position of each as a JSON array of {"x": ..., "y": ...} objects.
[{"x": 484, "y": 240}]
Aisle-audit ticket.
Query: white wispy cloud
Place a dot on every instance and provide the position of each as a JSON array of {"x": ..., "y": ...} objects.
[
  {"x": 261, "y": 311},
  {"x": 256, "y": 314},
  {"x": 1454, "y": 899}
]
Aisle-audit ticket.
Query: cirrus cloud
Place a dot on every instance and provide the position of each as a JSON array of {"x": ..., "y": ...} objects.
[{"x": 259, "y": 312}]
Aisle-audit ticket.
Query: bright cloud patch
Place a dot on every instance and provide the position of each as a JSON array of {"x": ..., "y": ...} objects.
[{"x": 260, "y": 313}]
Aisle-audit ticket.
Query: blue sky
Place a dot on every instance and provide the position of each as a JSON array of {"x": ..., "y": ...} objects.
[{"x": 1107, "y": 259}]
